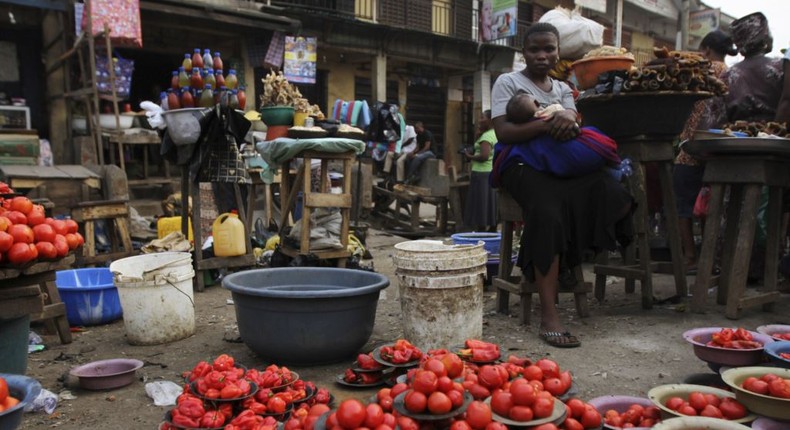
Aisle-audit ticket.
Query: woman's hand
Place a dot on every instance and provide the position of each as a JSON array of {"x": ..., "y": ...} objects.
[{"x": 564, "y": 126}]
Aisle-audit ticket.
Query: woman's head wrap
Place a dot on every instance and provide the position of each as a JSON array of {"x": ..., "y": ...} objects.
[{"x": 751, "y": 34}]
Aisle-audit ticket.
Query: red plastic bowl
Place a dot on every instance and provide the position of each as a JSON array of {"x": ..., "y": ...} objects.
[{"x": 699, "y": 337}]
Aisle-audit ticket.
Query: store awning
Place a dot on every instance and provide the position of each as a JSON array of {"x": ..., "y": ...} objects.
[{"x": 232, "y": 15}]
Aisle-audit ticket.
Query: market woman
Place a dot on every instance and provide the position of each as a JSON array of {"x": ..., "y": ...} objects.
[
  {"x": 562, "y": 216},
  {"x": 480, "y": 210}
]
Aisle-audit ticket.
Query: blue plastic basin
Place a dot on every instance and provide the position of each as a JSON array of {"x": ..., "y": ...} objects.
[
  {"x": 90, "y": 296},
  {"x": 490, "y": 240},
  {"x": 305, "y": 315}
]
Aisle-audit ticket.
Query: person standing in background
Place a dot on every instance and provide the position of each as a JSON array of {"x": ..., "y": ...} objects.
[
  {"x": 687, "y": 174},
  {"x": 480, "y": 209}
]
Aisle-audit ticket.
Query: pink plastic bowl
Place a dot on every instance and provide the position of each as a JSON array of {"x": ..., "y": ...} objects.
[
  {"x": 699, "y": 337},
  {"x": 619, "y": 404}
]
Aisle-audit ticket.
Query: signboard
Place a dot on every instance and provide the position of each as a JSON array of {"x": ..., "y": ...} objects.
[
  {"x": 300, "y": 58},
  {"x": 498, "y": 19},
  {"x": 664, "y": 8},
  {"x": 702, "y": 22},
  {"x": 596, "y": 5}
]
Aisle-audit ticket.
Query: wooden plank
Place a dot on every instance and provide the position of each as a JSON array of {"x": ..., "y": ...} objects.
[
  {"x": 21, "y": 291},
  {"x": 510, "y": 287},
  {"x": 742, "y": 250},
  {"x": 758, "y": 300},
  {"x": 21, "y": 306},
  {"x": 340, "y": 253},
  {"x": 138, "y": 138},
  {"x": 327, "y": 200},
  {"x": 622, "y": 271},
  {"x": 226, "y": 262},
  {"x": 115, "y": 210}
]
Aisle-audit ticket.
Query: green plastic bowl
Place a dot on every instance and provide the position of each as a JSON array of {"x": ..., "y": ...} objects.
[{"x": 277, "y": 115}]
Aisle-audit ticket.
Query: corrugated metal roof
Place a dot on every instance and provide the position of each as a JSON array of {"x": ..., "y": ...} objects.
[{"x": 229, "y": 11}]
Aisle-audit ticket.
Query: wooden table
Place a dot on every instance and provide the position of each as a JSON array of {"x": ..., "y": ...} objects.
[
  {"x": 144, "y": 138},
  {"x": 29, "y": 177}
]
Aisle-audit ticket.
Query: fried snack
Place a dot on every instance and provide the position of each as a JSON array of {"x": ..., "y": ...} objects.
[{"x": 608, "y": 51}]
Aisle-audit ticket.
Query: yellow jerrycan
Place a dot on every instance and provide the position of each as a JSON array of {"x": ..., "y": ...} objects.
[{"x": 229, "y": 237}]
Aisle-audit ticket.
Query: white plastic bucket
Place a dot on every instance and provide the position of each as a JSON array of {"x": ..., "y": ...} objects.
[
  {"x": 441, "y": 292},
  {"x": 156, "y": 296}
]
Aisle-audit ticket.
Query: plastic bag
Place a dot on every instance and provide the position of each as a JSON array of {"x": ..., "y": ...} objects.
[
  {"x": 701, "y": 205},
  {"x": 578, "y": 35},
  {"x": 164, "y": 393}
]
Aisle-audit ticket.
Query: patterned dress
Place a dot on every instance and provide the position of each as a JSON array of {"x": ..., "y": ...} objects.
[{"x": 702, "y": 117}]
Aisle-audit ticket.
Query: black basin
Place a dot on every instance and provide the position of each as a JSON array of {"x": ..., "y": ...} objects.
[{"x": 305, "y": 315}]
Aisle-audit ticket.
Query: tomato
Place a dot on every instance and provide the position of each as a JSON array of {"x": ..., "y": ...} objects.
[
  {"x": 444, "y": 384},
  {"x": 350, "y": 414},
  {"x": 553, "y": 386},
  {"x": 521, "y": 413},
  {"x": 572, "y": 424},
  {"x": 478, "y": 415},
  {"x": 537, "y": 384},
  {"x": 374, "y": 416},
  {"x": 3, "y": 389},
  {"x": 331, "y": 420},
  {"x": 460, "y": 425},
  {"x": 382, "y": 393},
  {"x": 566, "y": 379},
  {"x": 532, "y": 372},
  {"x": 456, "y": 397},
  {"x": 20, "y": 253},
  {"x": 674, "y": 403},
  {"x": 543, "y": 407},
  {"x": 61, "y": 245},
  {"x": 439, "y": 403},
  {"x": 293, "y": 424},
  {"x": 47, "y": 250},
  {"x": 44, "y": 233},
  {"x": 384, "y": 427},
  {"x": 80, "y": 239},
  {"x": 615, "y": 421},
  {"x": 6, "y": 240},
  {"x": 436, "y": 366},
  {"x": 501, "y": 403},
  {"x": 548, "y": 426},
  {"x": 390, "y": 420},
  {"x": 406, "y": 423},
  {"x": 16, "y": 217},
  {"x": 490, "y": 377},
  {"x": 478, "y": 391},
  {"x": 35, "y": 218},
  {"x": 780, "y": 388},
  {"x": 386, "y": 403},
  {"x": 21, "y": 204},
  {"x": 71, "y": 226},
  {"x": 697, "y": 400},
  {"x": 687, "y": 409},
  {"x": 453, "y": 364},
  {"x": 711, "y": 411},
  {"x": 72, "y": 241},
  {"x": 732, "y": 409},
  {"x": 493, "y": 425},
  {"x": 712, "y": 399},
  {"x": 21, "y": 233},
  {"x": 549, "y": 367},
  {"x": 415, "y": 401},
  {"x": 318, "y": 409},
  {"x": 591, "y": 418},
  {"x": 577, "y": 407},
  {"x": 5, "y": 222},
  {"x": 425, "y": 382},
  {"x": 758, "y": 386}
]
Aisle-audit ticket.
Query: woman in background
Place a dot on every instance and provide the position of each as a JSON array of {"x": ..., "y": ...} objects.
[{"x": 480, "y": 210}]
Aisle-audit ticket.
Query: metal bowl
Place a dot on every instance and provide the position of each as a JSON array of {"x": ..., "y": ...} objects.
[
  {"x": 107, "y": 374},
  {"x": 773, "y": 329},
  {"x": 702, "y": 423},
  {"x": 184, "y": 125},
  {"x": 699, "y": 337},
  {"x": 659, "y": 396},
  {"x": 768, "y": 406}
]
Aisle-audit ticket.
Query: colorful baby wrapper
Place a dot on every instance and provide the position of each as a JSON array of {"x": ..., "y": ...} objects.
[{"x": 122, "y": 18}]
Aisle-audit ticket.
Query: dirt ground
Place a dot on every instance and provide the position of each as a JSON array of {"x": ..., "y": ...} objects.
[{"x": 625, "y": 350}]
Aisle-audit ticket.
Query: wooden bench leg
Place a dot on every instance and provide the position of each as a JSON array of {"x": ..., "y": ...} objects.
[
  {"x": 743, "y": 246},
  {"x": 526, "y": 304},
  {"x": 730, "y": 233},
  {"x": 600, "y": 278},
  {"x": 773, "y": 243},
  {"x": 580, "y": 298},
  {"x": 673, "y": 231},
  {"x": 705, "y": 263},
  {"x": 505, "y": 266}
]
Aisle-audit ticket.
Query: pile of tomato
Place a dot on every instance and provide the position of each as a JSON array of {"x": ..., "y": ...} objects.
[
  {"x": 781, "y": 336},
  {"x": 27, "y": 234},
  {"x": 707, "y": 405},
  {"x": 401, "y": 352},
  {"x": 634, "y": 416},
  {"x": 769, "y": 384},
  {"x": 739, "y": 338},
  {"x": 7, "y": 401}
]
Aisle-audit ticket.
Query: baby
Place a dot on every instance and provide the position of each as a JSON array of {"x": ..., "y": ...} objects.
[{"x": 584, "y": 154}]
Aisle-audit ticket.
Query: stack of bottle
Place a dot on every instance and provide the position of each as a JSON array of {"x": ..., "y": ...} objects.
[{"x": 200, "y": 82}]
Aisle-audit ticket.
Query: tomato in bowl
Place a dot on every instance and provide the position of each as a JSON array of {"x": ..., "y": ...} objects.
[{"x": 710, "y": 348}]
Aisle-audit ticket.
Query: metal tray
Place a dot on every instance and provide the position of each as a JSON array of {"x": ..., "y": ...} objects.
[{"x": 738, "y": 147}]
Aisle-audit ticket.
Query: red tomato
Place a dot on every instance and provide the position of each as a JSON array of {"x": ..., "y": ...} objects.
[
  {"x": 384, "y": 427},
  {"x": 780, "y": 388},
  {"x": 478, "y": 391},
  {"x": 6, "y": 240},
  {"x": 350, "y": 414},
  {"x": 554, "y": 386},
  {"x": 3, "y": 389},
  {"x": 572, "y": 424},
  {"x": 61, "y": 245},
  {"x": 524, "y": 394},
  {"x": 415, "y": 402},
  {"x": 549, "y": 367},
  {"x": 758, "y": 386},
  {"x": 4, "y": 223},
  {"x": 71, "y": 226},
  {"x": 406, "y": 423},
  {"x": 460, "y": 425},
  {"x": 712, "y": 399},
  {"x": 72, "y": 241},
  {"x": 397, "y": 389},
  {"x": 374, "y": 416},
  {"x": 548, "y": 426},
  {"x": 652, "y": 412},
  {"x": 697, "y": 401},
  {"x": 384, "y": 392},
  {"x": 537, "y": 384},
  {"x": 490, "y": 377},
  {"x": 478, "y": 415},
  {"x": 687, "y": 409},
  {"x": 543, "y": 407},
  {"x": 20, "y": 253},
  {"x": 425, "y": 382},
  {"x": 493, "y": 425},
  {"x": 292, "y": 424},
  {"x": 521, "y": 413},
  {"x": 577, "y": 407},
  {"x": 453, "y": 364},
  {"x": 591, "y": 418},
  {"x": 390, "y": 420},
  {"x": 35, "y": 217},
  {"x": 732, "y": 409},
  {"x": 532, "y": 372},
  {"x": 674, "y": 403},
  {"x": 46, "y": 250},
  {"x": 566, "y": 379},
  {"x": 21, "y": 204},
  {"x": 456, "y": 397},
  {"x": 444, "y": 384},
  {"x": 386, "y": 403},
  {"x": 318, "y": 409},
  {"x": 711, "y": 411},
  {"x": 439, "y": 403},
  {"x": 501, "y": 403},
  {"x": 44, "y": 233},
  {"x": 21, "y": 233},
  {"x": 16, "y": 217},
  {"x": 435, "y": 366}
]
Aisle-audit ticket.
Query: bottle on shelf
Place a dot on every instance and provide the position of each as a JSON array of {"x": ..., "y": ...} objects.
[
  {"x": 233, "y": 101},
  {"x": 208, "y": 62},
  {"x": 231, "y": 80},
  {"x": 187, "y": 63},
  {"x": 219, "y": 78},
  {"x": 163, "y": 100},
  {"x": 173, "y": 101},
  {"x": 217, "y": 62},
  {"x": 174, "y": 84},
  {"x": 196, "y": 81},
  {"x": 223, "y": 96},
  {"x": 206, "y": 97},
  {"x": 242, "y": 95},
  {"x": 187, "y": 101},
  {"x": 197, "y": 59},
  {"x": 183, "y": 77},
  {"x": 209, "y": 77}
]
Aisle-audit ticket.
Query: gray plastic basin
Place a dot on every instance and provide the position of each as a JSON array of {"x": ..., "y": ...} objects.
[{"x": 305, "y": 315}]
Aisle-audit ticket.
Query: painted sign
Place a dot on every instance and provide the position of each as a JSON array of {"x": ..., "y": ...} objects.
[
  {"x": 300, "y": 59},
  {"x": 702, "y": 22},
  {"x": 498, "y": 19}
]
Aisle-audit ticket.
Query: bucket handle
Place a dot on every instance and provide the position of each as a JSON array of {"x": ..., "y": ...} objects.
[{"x": 172, "y": 280}]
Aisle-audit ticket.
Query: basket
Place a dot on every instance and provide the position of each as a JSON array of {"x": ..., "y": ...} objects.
[{"x": 277, "y": 115}]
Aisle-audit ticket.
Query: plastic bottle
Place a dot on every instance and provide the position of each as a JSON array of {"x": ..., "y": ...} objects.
[
  {"x": 229, "y": 236},
  {"x": 187, "y": 101},
  {"x": 163, "y": 100},
  {"x": 217, "y": 62},
  {"x": 233, "y": 101},
  {"x": 196, "y": 81},
  {"x": 206, "y": 97},
  {"x": 208, "y": 62},
  {"x": 209, "y": 77},
  {"x": 183, "y": 78},
  {"x": 197, "y": 59},
  {"x": 173, "y": 101},
  {"x": 174, "y": 80},
  {"x": 242, "y": 95},
  {"x": 231, "y": 81},
  {"x": 219, "y": 77},
  {"x": 187, "y": 63},
  {"x": 223, "y": 96}
]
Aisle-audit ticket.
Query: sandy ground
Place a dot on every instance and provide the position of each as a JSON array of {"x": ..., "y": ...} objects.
[{"x": 625, "y": 350}]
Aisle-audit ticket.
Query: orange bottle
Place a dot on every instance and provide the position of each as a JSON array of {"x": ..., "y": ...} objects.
[
  {"x": 217, "y": 63},
  {"x": 242, "y": 96},
  {"x": 187, "y": 63},
  {"x": 172, "y": 100},
  {"x": 187, "y": 101},
  {"x": 196, "y": 81},
  {"x": 220, "y": 79},
  {"x": 197, "y": 59},
  {"x": 174, "y": 80}
]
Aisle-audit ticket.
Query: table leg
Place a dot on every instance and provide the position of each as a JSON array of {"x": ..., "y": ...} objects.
[
  {"x": 602, "y": 259},
  {"x": 709, "y": 235},
  {"x": 673, "y": 231},
  {"x": 145, "y": 162},
  {"x": 743, "y": 246},
  {"x": 773, "y": 242},
  {"x": 505, "y": 266},
  {"x": 730, "y": 232},
  {"x": 121, "y": 157},
  {"x": 638, "y": 189}
]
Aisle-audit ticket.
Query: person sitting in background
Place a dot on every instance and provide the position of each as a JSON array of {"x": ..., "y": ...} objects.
[
  {"x": 687, "y": 174},
  {"x": 425, "y": 146},
  {"x": 408, "y": 146}
]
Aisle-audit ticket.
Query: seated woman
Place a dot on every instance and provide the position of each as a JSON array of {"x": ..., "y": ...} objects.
[{"x": 563, "y": 216}]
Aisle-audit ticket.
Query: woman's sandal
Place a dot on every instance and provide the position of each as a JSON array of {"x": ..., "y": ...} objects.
[{"x": 560, "y": 340}]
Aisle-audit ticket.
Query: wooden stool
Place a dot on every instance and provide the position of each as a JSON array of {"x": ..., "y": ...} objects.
[
  {"x": 509, "y": 212},
  {"x": 641, "y": 150},
  {"x": 116, "y": 213},
  {"x": 745, "y": 176}
]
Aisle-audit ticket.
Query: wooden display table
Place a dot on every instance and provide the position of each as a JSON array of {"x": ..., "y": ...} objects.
[
  {"x": 406, "y": 214},
  {"x": 139, "y": 138},
  {"x": 64, "y": 185},
  {"x": 32, "y": 290}
]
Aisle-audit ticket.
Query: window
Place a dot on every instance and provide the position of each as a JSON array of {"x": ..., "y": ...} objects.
[
  {"x": 442, "y": 17},
  {"x": 365, "y": 9}
]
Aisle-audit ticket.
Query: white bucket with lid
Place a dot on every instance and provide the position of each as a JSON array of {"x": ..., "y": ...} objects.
[
  {"x": 441, "y": 291},
  {"x": 156, "y": 296}
]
